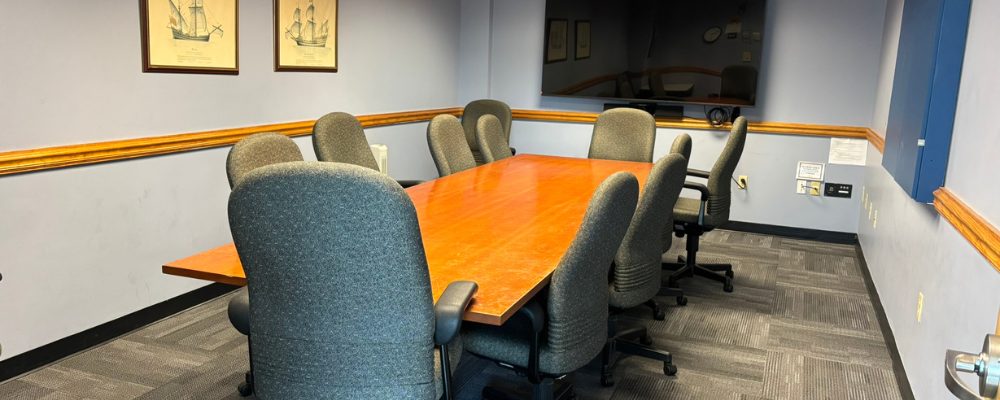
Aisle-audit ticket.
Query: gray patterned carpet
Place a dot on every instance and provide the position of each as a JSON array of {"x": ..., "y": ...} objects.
[{"x": 800, "y": 325}]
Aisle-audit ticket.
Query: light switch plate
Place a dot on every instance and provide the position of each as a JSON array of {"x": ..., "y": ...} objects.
[{"x": 747, "y": 56}]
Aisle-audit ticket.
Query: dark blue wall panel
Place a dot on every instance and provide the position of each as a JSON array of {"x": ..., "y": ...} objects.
[{"x": 925, "y": 94}]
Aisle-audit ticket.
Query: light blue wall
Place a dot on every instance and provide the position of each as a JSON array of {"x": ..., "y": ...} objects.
[
  {"x": 814, "y": 71},
  {"x": 83, "y": 246},
  {"x": 910, "y": 248}
]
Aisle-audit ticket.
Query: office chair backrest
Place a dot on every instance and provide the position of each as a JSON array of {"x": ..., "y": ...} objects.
[
  {"x": 624, "y": 86},
  {"x": 339, "y": 137},
  {"x": 739, "y": 82},
  {"x": 489, "y": 136},
  {"x": 682, "y": 146},
  {"x": 638, "y": 260},
  {"x": 259, "y": 150},
  {"x": 476, "y": 110},
  {"x": 340, "y": 296},
  {"x": 578, "y": 292},
  {"x": 448, "y": 147},
  {"x": 719, "y": 189},
  {"x": 623, "y": 134}
]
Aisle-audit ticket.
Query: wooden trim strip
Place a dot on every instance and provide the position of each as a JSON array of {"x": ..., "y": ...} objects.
[
  {"x": 21, "y": 161},
  {"x": 876, "y": 140},
  {"x": 701, "y": 124},
  {"x": 976, "y": 229}
]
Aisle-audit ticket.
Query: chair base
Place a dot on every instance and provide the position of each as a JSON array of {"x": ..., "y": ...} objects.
[
  {"x": 547, "y": 389},
  {"x": 633, "y": 340},
  {"x": 246, "y": 388},
  {"x": 687, "y": 267},
  {"x": 676, "y": 292}
]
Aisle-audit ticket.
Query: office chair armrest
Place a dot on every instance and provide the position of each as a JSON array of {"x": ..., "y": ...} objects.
[
  {"x": 449, "y": 309},
  {"x": 697, "y": 173},
  {"x": 536, "y": 317},
  {"x": 239, "y": 311},
  {"x": 405, "y": 183},
  {"x": 699, "y": 187},
  {"x": 513, "y": 151}
]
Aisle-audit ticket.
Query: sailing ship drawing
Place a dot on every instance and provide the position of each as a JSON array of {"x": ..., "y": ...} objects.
[
  {"x": 195, "y": 25},
  {"x": 307, "y": 34}
]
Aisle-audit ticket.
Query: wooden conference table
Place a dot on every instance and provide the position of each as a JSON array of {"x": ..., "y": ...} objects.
[{"x": 504, "y": 225}]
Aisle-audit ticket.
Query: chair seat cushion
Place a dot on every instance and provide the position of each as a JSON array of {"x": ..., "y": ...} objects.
[
  {"x": 510, "y": 344},
  {"x": 686, "y": 211},
  {"x": 239, "y": 311}
]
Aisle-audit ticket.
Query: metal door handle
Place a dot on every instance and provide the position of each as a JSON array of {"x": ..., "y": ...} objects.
[{"x": 986, "y": 365}]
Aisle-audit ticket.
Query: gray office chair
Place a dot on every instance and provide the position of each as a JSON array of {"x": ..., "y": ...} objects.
[
  {"x": 623, "y": 134},
  {"x": 489, "y": 136},
  {"x": 636, "y": 273},
  {"x": 449, "y": 149},
  {"x": 739, "y": 82},
  {"x": 340, "y": 294},
  {"x": 475, "y": 110},
  {"x": 339, "y": 137},
  {"x": 682, "y": 146},
  {"x": 253, "y": 152},
  {"x": 694, "y": 217},
  {"x": 563, "y": 329}
]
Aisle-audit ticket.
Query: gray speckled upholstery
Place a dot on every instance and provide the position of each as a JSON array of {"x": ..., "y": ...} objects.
[
  {"x": 576, "y": 300},
  {"x": 490, "y": 136},
  {"x": 258, "y": 150},
  {"x": 637, "y": 264},
  {"x": 475, "y": 110},
  {"x": 449, "y": 149},
  {"x": 719, "y": 188},
  {"x": 341, "y": 302},
  {"x": 624, "y": 134},
  {"x": 339, "y": 137},
  {"x": 682, "y": 146}
]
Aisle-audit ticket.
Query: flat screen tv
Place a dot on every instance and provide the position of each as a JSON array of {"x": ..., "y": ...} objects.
[{"x": 654, "y": 51}]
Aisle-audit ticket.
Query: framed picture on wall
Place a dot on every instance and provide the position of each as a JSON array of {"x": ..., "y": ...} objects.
[
  {"x": 189, "y": 36},
  {"x": 556, "y": 40},
  {"x": 582, "y": 40},
  {"x": 305, "y": 35}
]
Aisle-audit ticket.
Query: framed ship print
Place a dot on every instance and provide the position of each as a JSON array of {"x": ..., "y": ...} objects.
[
  {"x": 556, "y": 40},
  {"x": 189, "y": 36},
  {"x": 582, "y": 40},
  {"x": 305, "y": 35}
]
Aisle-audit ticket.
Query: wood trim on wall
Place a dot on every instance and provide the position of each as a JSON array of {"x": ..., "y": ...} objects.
[
  {"x": 876, "y": 140},
  {"x": 701, "y": 124},
  {"x": 976, "y": 229},
  {"x": 21, "y": 161}
]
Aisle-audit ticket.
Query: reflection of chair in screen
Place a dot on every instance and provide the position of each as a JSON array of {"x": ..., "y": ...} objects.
[
  {"x": 739, "y": 82},
  {"x": 624, "y": 87}
]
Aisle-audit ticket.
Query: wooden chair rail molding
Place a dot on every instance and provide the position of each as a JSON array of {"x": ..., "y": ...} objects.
[
  {"x": 701, "y": 124},
  {"x": 876, "y": 140},
  {"x": 977, "y": 230},
  {"x": 21, "y": 161}
]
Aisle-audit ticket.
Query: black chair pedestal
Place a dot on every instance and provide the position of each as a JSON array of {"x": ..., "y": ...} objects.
[{"x": 687, "y": 267}]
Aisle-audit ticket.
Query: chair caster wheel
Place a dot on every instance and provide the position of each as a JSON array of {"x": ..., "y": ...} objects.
[
  {"x": 659, "y": 315},
  {"x": 245, "y": 389},
  {"x": 607, "y": 380},
  {"x": 729, "y": 274},
  {"x": 646, "y": 340},
  {"x": 728, "y": 287},
  {"x": 682, "y": 301},
  {"x": 669, "y": 369}
]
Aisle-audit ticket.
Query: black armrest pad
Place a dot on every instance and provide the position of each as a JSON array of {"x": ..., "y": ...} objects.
[
  {"x": 449, "y": 310},
  {"x": 239, "y": 311},
  {"x": 698, "y": 173},
  {"x": 407, "y": 182},
  {"x": 513, "y": 151},
  {"x": 699, "y": 187}
]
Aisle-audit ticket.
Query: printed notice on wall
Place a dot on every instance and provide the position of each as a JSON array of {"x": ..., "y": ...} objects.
[{"x": 848, "y": 151}]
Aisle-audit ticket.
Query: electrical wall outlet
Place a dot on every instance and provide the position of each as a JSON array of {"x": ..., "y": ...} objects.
[
  {"x": 920, "y": 306},
  {"x": 811, "y": 188},
  {"x": 747, "y": 56},
  {"x": 742, "y": 182}
]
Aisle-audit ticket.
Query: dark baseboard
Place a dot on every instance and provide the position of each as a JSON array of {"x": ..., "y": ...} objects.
[
  {"x": 25, "y": 362},
  {"x": 797, "y": 233},
  {"x": 890, "y": 340}
]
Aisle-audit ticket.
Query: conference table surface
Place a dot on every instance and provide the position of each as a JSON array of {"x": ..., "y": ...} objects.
[{"x": 504, "y": 225}]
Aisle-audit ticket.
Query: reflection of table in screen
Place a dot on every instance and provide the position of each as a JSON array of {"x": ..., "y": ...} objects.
[{"x": 678, "y": 89}]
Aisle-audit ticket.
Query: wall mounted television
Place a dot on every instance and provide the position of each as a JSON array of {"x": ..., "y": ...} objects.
[{"x": 654, "y": 51}]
